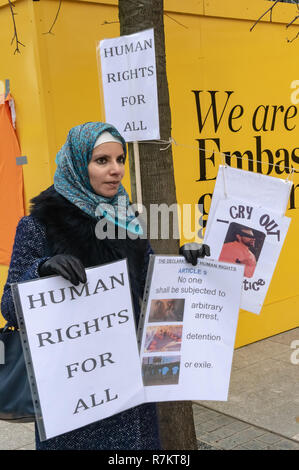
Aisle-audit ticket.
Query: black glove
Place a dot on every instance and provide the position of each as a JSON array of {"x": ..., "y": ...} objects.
[
  {"x": 192, "y": 251},
  {"x": 66, "y": 266}
]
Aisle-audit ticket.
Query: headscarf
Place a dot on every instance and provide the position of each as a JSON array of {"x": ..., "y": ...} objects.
[{"x": 71, "y": 178}]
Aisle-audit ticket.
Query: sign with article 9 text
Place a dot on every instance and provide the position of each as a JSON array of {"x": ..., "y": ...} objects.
[
  {"x": 253, "y": 236},
  {"x": 188, "y": 328}
]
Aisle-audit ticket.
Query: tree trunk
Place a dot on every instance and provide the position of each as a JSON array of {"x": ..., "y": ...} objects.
[{"x": 158, "y": 186}]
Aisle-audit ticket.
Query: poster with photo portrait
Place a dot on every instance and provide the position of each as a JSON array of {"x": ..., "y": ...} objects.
[
  {"x": 252, "y": 236},
  {"x": 163, "y": 338},
  {"x": 191, "y": 359}
]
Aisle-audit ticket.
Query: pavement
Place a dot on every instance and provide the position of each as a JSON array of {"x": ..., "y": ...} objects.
[{"x": 262, "y": 411}]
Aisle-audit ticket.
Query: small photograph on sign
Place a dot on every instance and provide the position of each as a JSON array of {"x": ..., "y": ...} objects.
[
  {"x": 163, "y": 338},
  {"x": 166, "y": 310},
  {"x": 161, "y": 370},
  {"x": 242, "y": 245}
]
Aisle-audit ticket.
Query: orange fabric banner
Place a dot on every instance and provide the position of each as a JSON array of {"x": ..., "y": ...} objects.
[{"x": 11, "y": 182}]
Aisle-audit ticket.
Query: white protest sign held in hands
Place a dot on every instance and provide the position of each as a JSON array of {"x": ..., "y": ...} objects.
[
  {"x": 246, "y": 225},
  {"x": 189, "y": 320},
  {"x": 129, "y": 79},
  {"x": 83, "y": 347}
]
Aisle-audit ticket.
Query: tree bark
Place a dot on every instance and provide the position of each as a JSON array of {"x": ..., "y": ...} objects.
[{"x": 158, "y": 186}]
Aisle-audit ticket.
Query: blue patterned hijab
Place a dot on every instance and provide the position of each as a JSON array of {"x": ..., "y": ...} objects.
[{"x": 71, "y": 178}]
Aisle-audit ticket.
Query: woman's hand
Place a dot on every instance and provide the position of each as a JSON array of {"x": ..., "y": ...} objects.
[
  {"x": 192, "y": 251},
  {"x": 66, "y": 266}
]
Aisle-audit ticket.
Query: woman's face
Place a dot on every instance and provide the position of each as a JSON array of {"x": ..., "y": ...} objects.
[{"x": 106, "y": 168}]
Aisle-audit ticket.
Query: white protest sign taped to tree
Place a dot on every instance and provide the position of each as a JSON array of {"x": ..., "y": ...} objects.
[
  {"x": 248, "y": 231},
  {"x": 82, "y": 347},
  {"x": 187, "y": 329},
  {"x": 129, "y": 78}
]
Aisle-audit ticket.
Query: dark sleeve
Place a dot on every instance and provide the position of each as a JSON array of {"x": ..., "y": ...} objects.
[{"x": 29, "y": 251}]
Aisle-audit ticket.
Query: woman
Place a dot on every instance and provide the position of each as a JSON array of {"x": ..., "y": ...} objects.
[{"x": 59, "y": 237}]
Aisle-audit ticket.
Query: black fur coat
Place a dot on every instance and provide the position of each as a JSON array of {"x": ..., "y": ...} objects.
[{"x": 71, "y": 231}]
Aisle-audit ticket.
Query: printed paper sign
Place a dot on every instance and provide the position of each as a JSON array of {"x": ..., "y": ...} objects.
[
  {"x": 128, "y": 67},
  {"x": 82, "y": 346},
  {"x": 255, "y": 188},
  {"x": 190, "y": 317},
  {"x": 251, "y": 236}
]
